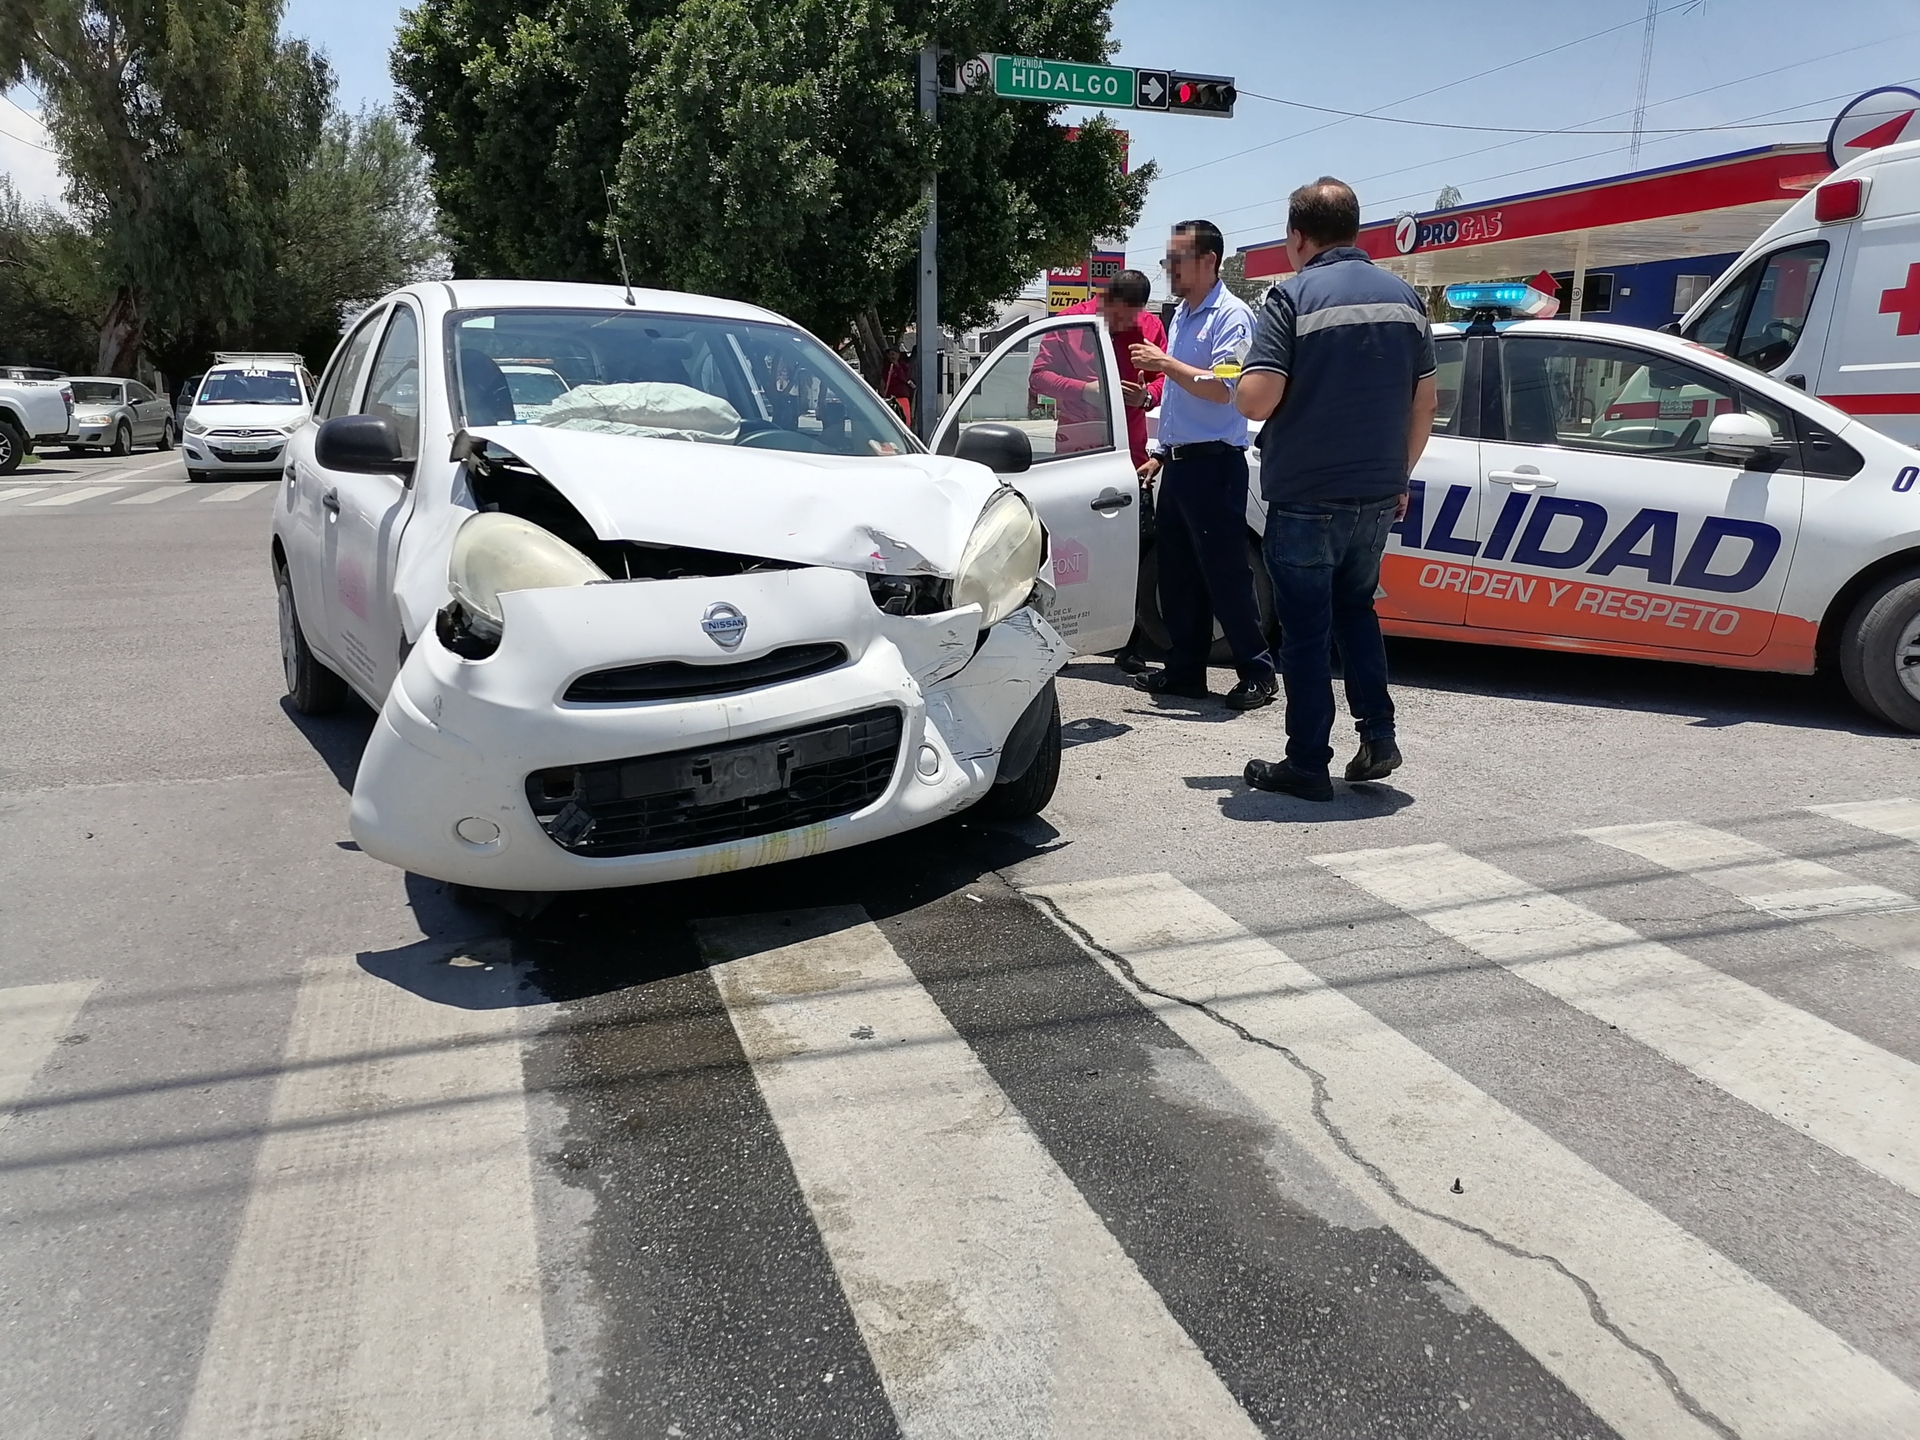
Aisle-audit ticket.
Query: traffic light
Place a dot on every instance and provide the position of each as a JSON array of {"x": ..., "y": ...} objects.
[{"x": 1201, "y": 95}]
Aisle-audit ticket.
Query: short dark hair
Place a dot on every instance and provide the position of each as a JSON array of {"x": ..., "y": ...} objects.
[
  {"x": 1327, "y": 212},
  {"x": 1206, "y": 236},
  {"x": 1130, "y": 287}
]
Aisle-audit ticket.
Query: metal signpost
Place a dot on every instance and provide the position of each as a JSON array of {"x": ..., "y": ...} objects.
[{"x": 1048, "y": 82}]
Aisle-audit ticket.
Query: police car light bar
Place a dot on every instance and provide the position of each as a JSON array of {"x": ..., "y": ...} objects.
[{"x": 1505, "y": 299}]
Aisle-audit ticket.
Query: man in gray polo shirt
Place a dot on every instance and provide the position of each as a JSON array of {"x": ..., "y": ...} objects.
[{"x": 1341, "y": 371}]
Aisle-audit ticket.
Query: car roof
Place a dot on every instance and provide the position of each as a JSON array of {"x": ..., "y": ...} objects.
[
  {"x": 286, "y": 365},
  {"x": 572, "y": 295},
  {"x": 100, "y": 379}
]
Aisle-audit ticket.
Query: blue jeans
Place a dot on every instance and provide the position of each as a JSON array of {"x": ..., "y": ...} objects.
[{"x": 1325, "y": 561}]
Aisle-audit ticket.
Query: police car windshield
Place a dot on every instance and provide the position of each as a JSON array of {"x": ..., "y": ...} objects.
[
  {"x": 249, "y": 387},
  {"x": 670, "y": 377}
]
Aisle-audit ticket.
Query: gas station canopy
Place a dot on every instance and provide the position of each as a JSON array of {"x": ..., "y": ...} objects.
[{"x": 1703, "y": 207}]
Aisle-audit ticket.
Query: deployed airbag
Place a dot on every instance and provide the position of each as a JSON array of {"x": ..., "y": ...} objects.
[{"x": 659, "y": 409}]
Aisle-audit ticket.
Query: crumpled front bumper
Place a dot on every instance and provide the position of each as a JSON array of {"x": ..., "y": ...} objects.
[{"x": 457, "y": 739}]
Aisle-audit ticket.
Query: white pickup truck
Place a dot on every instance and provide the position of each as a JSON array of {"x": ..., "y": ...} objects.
[{"x": 31, "y": 411}]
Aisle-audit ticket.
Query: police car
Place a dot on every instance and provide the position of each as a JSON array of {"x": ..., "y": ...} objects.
[{"x": 1600, "y": 488}]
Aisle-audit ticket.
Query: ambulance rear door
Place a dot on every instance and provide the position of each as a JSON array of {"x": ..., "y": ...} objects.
[{"x": 1872, "y": 361}]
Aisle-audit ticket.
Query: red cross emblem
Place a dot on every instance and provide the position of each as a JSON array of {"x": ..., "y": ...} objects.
[{"x": 1905, "y": 303}]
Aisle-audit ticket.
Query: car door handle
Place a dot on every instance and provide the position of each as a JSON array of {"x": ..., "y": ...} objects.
[
  {"x": 1112, "y": 500},
  {"x": 330, "y": 502},
  {"x": 1523, "y": 481}
]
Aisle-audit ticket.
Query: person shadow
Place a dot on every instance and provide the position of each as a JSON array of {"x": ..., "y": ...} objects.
[{"x": 1370, "y": 800}]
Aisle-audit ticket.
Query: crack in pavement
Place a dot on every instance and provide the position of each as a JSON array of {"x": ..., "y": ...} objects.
[{"x": 1596, "y": 1308}]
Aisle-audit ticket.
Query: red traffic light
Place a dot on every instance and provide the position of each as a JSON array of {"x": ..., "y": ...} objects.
[{"x": 1203, "y": 95}]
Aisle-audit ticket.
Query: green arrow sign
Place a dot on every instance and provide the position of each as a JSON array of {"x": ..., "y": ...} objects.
[{"x": 1062, "y": 82}]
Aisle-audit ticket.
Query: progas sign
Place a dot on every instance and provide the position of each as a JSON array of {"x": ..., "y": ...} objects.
[{"x": 1411, "y": 233}]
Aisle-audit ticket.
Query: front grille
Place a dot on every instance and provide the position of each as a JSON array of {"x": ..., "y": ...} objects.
[
  {"x": 245, "y": 457},
  {"x": 705, "y": 796},
  {"x": 676, "y": 679}
]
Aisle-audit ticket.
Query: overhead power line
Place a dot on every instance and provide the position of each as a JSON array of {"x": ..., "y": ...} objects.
[{"x": 1492, "y": 129}]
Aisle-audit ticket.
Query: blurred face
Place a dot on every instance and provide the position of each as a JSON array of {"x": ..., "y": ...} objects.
[
  {"x": 1188, "y": 271},
  {"x": 1119, "y": 314}
]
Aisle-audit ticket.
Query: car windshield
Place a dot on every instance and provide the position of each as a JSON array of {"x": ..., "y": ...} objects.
[
  {"x": 249, "y": 387},
  {"x": 676, "y": 377},
  {"x": 95, "y": 392}
]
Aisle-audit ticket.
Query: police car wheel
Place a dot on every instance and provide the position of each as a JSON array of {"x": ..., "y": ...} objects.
[{"x": 1880, "y": 651}]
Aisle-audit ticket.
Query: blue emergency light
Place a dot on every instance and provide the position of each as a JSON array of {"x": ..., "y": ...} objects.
[{"x": 1504, "y": 299}]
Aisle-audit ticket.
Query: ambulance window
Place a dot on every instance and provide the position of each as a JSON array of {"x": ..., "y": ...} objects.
[
  {"x": 1715, "y": 328},
  {"x": 1449, "y": 376},
  {"x": 1590, "y": 396},
  {"x": 1780, "y": 304}
]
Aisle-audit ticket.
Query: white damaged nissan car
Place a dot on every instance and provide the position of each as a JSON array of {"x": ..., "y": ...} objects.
[{"x": 704, "y": 603}]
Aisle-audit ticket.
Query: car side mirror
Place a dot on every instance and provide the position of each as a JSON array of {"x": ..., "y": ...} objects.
[
  {"x": 360, "y": 445},
  {"x": 1740, "y": 437},
  {"x": 1003, "y": 449}
]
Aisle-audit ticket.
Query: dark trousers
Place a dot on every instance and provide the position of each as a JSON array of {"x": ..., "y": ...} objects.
[
  {"x": 1203, "y": 566},
  {"x": 1325, "y": 562}
]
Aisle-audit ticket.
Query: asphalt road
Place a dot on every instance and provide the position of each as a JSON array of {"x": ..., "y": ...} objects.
[{"x": 1564, "y": 1086}]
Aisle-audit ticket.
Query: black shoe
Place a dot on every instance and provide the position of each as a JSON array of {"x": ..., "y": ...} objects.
[
  {"x": 1282, "y": 777},
  {"x": 1252, "y": 694},
  {"x": 1130, "y": 663},
  {"x": 1158, "y": 684},
  {"x": 1375, "y": 760}
]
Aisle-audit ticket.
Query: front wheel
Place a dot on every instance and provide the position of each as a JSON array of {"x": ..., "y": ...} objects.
[
  {"x": 313, "y": 689},
  {"x": 1029, "y": 795},
  {"x": 1880, "y": 651},
  {"x": 122, "y": 440},
  {"x": 13, "y": 448}
]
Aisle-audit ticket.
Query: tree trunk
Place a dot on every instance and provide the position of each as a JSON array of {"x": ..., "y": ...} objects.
[
  {"x": 121, "y": 334},
  {"x": 870, "y": 342}
]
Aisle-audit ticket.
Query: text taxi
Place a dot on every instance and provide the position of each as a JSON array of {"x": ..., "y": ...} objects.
[{"x": 1594, "y": 487}]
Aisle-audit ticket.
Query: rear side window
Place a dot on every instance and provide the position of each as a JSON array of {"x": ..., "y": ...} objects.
[{"x": 1449, "y": 378}]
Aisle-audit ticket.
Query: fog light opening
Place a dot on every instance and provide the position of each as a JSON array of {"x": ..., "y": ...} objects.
[
  {"x": 477, "y": 830},
  {"x": 927, "y": 762}
]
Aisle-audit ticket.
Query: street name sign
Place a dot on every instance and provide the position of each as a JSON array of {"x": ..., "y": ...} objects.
[{"x": 1062, "y": 82}]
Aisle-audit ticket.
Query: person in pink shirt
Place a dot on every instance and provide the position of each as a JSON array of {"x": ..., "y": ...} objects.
[{"x": 1067, "y": 370}]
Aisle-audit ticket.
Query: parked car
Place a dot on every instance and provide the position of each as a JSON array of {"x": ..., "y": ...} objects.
[
  {"x": 32, "y": 412},
  {"x": 183, "y": 402},
  {"x": 30, "y": 372},
  {"x": 670, "y": 627},
  {"x": 115, "y": 415}
]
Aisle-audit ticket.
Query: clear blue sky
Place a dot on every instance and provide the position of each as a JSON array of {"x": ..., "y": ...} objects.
[{"x": 1716, "y": 63}]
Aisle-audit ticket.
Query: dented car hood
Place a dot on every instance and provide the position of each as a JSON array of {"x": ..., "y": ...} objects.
[{"x": 884, "y": 514}]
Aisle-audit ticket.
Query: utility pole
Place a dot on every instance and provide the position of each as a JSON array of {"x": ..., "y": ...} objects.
[
  {"x": 1640, "y": 99},
  {"x": 926, "y": 405}
]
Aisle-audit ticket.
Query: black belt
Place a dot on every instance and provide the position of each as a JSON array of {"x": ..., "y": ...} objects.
[{"x": 1203, "y": 447}]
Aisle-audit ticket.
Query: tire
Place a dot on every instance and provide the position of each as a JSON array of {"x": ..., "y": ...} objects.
[
  {"x": 311, "y": 686},
  {"x": 166, "y": 437},
  {"x": 13, "y": 448},
  {"x": 1026, "y": 797},
  {"x": 122, "y": 440},
  {"x": 1880, "y": 651},
  {"x": 1154, "y": 626}
]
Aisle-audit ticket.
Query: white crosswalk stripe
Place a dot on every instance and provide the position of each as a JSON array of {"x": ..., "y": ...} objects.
[
  {"x": 384, "y": 1281},
  {"x": 990, "y": 1296},
  {"x": 20, "y": 492},
  {"x": 1851, "y": 1096},
  {"x": 155, "y": 495},
  {"x": 32, "y": 1020},
  {"x": 237, "y": 492},
  {"x": 1870, "y": 916},
  {"x": 1898, "y": 818},
  {"x": 1396, "y": 1126},
  {"x": 74, "y": 497}
]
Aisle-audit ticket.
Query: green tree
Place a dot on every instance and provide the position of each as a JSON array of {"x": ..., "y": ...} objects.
[
  {"x": 767, "y": 150},
  {"x": 180, "y": 126},
  {"x": 50, "y": 290}
]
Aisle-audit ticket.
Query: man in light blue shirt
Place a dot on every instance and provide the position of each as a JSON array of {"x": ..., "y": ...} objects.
[{"x": 1201, "y": 456}]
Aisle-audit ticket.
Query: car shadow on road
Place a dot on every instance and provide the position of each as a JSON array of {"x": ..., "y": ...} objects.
[
  {"x": 339, "y": 739},
  {"x": 1240, "y": 801}
]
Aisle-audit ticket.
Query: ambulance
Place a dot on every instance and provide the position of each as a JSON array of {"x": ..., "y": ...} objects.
[
  {"x": 1828, "y": 299},
  {"x": 1619, "y": 491}
]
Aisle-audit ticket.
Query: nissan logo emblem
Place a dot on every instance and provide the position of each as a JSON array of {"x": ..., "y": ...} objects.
[{"x": 725, "y": 625}]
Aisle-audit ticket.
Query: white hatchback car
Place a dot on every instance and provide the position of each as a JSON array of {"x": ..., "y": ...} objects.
[
  {"x": 714, "y": 607},
  {"x": 242, "y": 414}
]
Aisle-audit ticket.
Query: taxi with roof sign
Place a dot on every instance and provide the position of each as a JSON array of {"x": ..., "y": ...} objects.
[{"x": 1600, "y": 488}]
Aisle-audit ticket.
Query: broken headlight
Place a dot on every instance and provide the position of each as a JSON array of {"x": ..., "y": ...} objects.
[
  {"x": 494, "y": 553},
  {"x": 1002, "y": 559}
]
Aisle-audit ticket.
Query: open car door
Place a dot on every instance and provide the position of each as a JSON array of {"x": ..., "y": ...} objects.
[{"x": 1057, "y": 381}]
